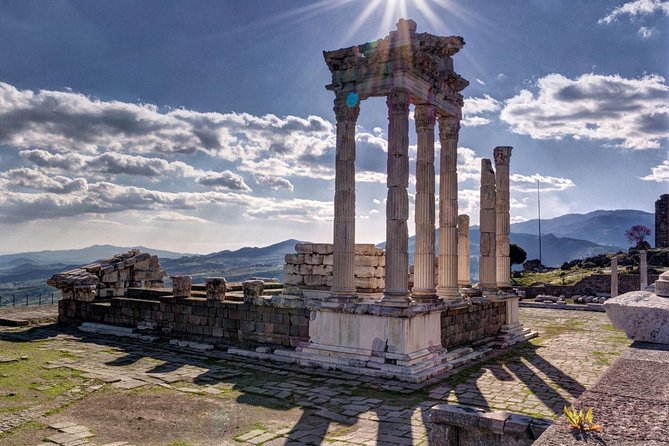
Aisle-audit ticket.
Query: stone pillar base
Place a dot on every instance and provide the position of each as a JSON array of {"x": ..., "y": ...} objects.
[{"x": 376, "y": 339}]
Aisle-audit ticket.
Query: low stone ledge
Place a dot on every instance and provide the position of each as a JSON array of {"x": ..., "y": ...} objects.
[{"x": 455, "y": 424}]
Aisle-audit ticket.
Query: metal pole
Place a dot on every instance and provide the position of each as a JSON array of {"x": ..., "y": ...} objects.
[
  {"x": 40, "y": 299},
  {"x": 539, "y": 212},
  {"x": 13, "y": 300},
  {"x": 26, "y": 299},
  {"x": 51, "y": 298}
]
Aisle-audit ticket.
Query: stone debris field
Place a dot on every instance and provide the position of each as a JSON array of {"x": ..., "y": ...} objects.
[{"x": 60, "y": 386}]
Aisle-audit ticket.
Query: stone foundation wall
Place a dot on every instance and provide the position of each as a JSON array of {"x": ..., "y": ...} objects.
[
  {"x": 598, "y": 283},
  {"x": 461, "y": 326},
  {"x": 218, "y": 322},
  {"x": 462, "y": 425},
  {"x": 310, "y": 267}
]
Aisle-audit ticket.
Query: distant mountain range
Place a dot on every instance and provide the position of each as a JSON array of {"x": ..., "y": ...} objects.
[
  {"x": 601, "y": 227},
  {"x": 563, "y": 238}
]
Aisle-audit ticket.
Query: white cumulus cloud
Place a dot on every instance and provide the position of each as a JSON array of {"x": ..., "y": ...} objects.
[
  {"x": 631, "y": 113},
  {"x": 636, "y": 8},
  {"x": 659, "y": 173}
]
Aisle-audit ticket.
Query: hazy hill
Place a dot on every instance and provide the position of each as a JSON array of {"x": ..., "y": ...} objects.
[
  {"x": 76, "y": 256},
  {"x": 602, "y": 227},
  {"x": 234, "y": 265}
]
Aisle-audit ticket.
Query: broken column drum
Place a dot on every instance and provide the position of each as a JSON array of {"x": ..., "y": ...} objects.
[{"x": 463, "y": 251}]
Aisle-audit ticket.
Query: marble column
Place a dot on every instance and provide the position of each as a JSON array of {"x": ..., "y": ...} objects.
[
  {"x": 343, "y": 287},
  {"x": 397, "y": 205},
  {"x": 447, "y": 287},
  {"x": 488, "y": 218},
  {"x": 643, "y": 270},
  {"x": 502, "y": 156},
  {"x": 463, "y": 251},
  {"x": 614, "y": 276},
  {"x": 424, "y": 286}
]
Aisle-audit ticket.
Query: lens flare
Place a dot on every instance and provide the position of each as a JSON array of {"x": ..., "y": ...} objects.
[{"x": 352, "y": 99}]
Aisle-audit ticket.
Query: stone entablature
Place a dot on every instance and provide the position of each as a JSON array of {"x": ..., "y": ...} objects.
[
  {"x": 310, "y": 268},
  {"x": 419, "y": 62},
  {"x": 110, "y": 277}
]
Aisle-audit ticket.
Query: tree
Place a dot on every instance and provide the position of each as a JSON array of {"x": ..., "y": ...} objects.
[
  {"x": 517, "y": 254},
  {"x": 637, "y": 235}
]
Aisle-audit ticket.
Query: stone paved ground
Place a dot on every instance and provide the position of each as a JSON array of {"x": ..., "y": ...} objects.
[{"x": 129, "y": 392}]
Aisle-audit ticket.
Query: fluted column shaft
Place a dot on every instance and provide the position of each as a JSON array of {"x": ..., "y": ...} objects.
[
  {"x": 643, "y": 270},
  {"x": 488, "y": 218},
  {"x": 614, "y": 276},
  {"x": 447, "y": 287},
  {"x": 463, "y": 251},
  {"x": 343, "y": 286},
  {"x": 424, "y": 286},
  {"x": 503, "y": 223},
  {"x": 397, "y": 206}
]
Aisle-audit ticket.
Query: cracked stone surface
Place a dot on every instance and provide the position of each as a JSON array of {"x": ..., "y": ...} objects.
[{"x": 247, "y": 401}]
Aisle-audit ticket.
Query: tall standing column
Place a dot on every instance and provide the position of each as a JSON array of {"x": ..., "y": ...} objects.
[
  {"x": 488, "y": 217},
  {"x": 503, "y": 218},
  {"x": 643, "y": 270},
  {"x": 343, "y": 286},
  {"x": 463, "y": 251},
  {"x": 424, "y": 289},
  {"x": 397, "y": 206},
  {"x": 447, "y": 287},
  {"x": 614, "y": 276}
]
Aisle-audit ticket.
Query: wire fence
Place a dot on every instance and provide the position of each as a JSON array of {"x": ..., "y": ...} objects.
[{"x": 27, "y": 299}]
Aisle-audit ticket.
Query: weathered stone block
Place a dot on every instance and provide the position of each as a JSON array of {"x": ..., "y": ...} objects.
[
  {"x": 313, "y": 259},
  {"x": 328, "y": 259},
  {"x": 215, "y": 288},
  {"x": 323, "y": 248},
  {"x": 305, "y": 269},
  {"x": 294, "y": 259},
  {"x": 181, "y": 286},
  {"x": 366, "y": 261},
  {"x": 312, "y": 280},
  {"x": 304, "y": 248},
  {"x": 293, "y": 279},
  {"x": 253, "y": 289}
]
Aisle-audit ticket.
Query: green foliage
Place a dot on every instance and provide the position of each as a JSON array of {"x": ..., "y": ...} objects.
[
  {"x": 581, "y": 420},
  {"x": 517, "y": 254}
]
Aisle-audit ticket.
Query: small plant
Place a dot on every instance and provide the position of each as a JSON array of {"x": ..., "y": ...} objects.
[{"x": 581, "y": 420}]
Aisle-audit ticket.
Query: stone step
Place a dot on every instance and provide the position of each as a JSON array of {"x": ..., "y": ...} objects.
[
  {"x": 452, "y": 355},
  {"x": 198, "y": 346},
  {"x": 115, "y": 330},
  {"x": 473, "y": 356}
]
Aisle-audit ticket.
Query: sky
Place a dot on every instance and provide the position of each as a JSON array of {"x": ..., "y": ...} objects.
[{"x": 203, "y": 126}]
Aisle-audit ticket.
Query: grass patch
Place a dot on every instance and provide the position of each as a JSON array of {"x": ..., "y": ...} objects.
[
  {"x": 29, "y": 426},
  {"x": 554, "y": 277},
  {"x": 180, "y": 443},
  {"x": 19, "y": 380}
]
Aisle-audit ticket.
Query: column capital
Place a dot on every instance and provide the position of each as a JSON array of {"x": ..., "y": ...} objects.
[
  {"x": 502, "y": 155},
  {"x": 398, "y": 102},
  {"x": 344, "y": 112},
  {"x": 449, "y": 126},
  {"x": 425, "y": 116}
]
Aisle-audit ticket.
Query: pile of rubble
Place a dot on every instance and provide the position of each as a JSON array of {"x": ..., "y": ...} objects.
[
  {"x": 311, "y": 267},
  {"x": 110, "y": 277}
]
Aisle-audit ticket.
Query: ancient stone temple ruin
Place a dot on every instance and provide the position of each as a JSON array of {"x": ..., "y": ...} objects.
[{"x": 357, "y": 307}]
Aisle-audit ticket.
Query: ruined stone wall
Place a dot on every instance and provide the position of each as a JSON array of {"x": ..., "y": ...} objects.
[
  {"x": 110, "y": 277},
  {"x": 597, "y": 283},
  {"x": 662, "y": 222},
  {"x": 460, "y": 326},
  {"x": 216, "y": 322},
  {"x": 310, "y": 267}
]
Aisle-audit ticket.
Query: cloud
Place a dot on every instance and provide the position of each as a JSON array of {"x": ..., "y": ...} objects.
[
  {"x": 469, "y": 165},
  {"x": 26, "y": 178},
  {"x": 104, "y": 198},
  {"x": 65, "y": 122},
  {"x": 171, "y": 217},
  {"x": 224, "y": 180},
  {"x": 480, "y": 81},
  {"x": 630, "y": 112},
  {"x": 528, "y": 183},
  {"x": 477, "y": 106},
  {"x": 646, "y": 32},
  {"x": 274, "y": 183},
  {"x": 659, "y": 173},
  {"x": 636, "y": 8},
  {"x": 518, "y": 219}
]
